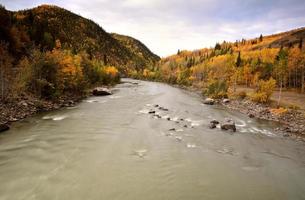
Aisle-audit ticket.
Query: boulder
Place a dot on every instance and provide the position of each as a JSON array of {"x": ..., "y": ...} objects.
[
  {"x": 151, "y": 112},
  {"x": 158, "y": 116},
  {"x": 228, "y": 125},
  {"x": 99, "y": 91},
  {"x": 4, "y": 127},
  {"x": 209, "y": 101}
]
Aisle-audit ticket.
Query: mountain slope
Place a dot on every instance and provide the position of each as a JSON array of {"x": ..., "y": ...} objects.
[
  {"x": 280, "y": 57},
  {"x": 45, "y": 24},
  {"x": 136, "y": 47}
]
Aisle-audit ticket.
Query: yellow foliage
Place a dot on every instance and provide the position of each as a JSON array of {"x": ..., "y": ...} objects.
[
  {"x": 264, "y": 91},
  {"x": 278, "y": 111},
  {"x": 112, "y": 71}
]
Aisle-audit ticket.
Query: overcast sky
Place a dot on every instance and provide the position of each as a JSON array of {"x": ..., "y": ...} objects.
[{"x": 168, "y": 25}]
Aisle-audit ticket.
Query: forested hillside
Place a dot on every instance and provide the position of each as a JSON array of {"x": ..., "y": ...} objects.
[
  {"x": 262, "y": 63},
  {"x": 48, "y": 51},
  {"x": 138, "y": 48}
]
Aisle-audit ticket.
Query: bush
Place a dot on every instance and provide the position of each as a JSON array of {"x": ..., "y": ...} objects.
[
  {"x": 264, "y": 91},
  {"x": 216, "y": 89}
]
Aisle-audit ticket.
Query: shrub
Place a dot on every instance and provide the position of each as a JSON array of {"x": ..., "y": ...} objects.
[
  {"x": 264, "y": 91},
  {"x": 241, "y": 94},
  {"x": 216, "y": 89}
]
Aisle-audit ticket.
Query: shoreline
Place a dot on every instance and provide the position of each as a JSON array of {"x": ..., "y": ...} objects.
[
  {"x": 27, "y": 106},
  {"x": 292, "y": 122}
]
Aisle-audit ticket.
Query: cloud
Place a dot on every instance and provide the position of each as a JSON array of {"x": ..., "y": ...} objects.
[{"x": 166, "y": 26}]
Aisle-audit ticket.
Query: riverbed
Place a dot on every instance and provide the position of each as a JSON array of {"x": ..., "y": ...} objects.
[{"x": 115, "y": 147}]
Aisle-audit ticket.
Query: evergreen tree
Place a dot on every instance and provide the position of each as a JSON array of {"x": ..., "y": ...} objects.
[
  {"x": 238, "y": 60},
  {"x": 261, "y": 38},
  {"x": 217, "y": 46}
]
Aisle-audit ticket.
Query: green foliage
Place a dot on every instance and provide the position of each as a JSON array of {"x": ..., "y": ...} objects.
[
  {"x": 216, "y": 89},
  {"x": 48, "y": 40},
  {"x": 58, "y": 72},
  {"x": 45, "y": 24},
  {"x": 238, "y": 60}
]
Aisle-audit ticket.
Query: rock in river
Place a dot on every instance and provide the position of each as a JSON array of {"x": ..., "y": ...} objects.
[
  {"x": 4, "y": 127},
  {"x": 228, "y": 125},
  {"x": 99, "y": 91},
  {"x": 212, "y": 126},
  {"x": 214, "y": 121},
  {"x": 209, "y": 101}
]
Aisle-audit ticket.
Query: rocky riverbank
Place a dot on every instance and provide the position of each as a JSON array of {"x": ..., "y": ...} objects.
[
  {"x": 292, "y": 122},
  {"x": 24, "y": 106}
]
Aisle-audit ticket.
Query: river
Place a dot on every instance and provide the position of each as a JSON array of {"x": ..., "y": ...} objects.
[{"x": 111, "y": 148}]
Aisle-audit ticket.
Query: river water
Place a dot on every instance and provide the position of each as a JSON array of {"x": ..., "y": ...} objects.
[{"x": 111, "y": 148}]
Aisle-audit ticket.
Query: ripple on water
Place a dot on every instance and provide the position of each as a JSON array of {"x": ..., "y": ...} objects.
[
  {"x": 55, "y": 117},
  {"x": 144, "y": 111},
  {"x": 261, "y": 131},
  {"x": 141, "y": 153},
  {"x": 241, "y": 123},
  {"x": 114, "y": 97},
  {"x": 250, "y": 168},
  {"x": 191, "y": 145},
  {"x": 92, "y": 101}
]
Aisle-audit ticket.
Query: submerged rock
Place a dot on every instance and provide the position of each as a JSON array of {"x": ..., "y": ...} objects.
[
  {"x": 157, "y": 116},
  {"x": 209, "y": 101},
  {"x": 99, "y": 91},
  {"x": 178, "y": 138},
  {"x": 4, "y": 127},
  {"x": 163, "y": 109}
]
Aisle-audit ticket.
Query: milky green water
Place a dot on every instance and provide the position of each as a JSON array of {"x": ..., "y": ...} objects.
[{"x": 110, "y": 148}]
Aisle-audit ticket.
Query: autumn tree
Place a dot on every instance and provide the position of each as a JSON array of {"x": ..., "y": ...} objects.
[{"x": 281, "y": 70}]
